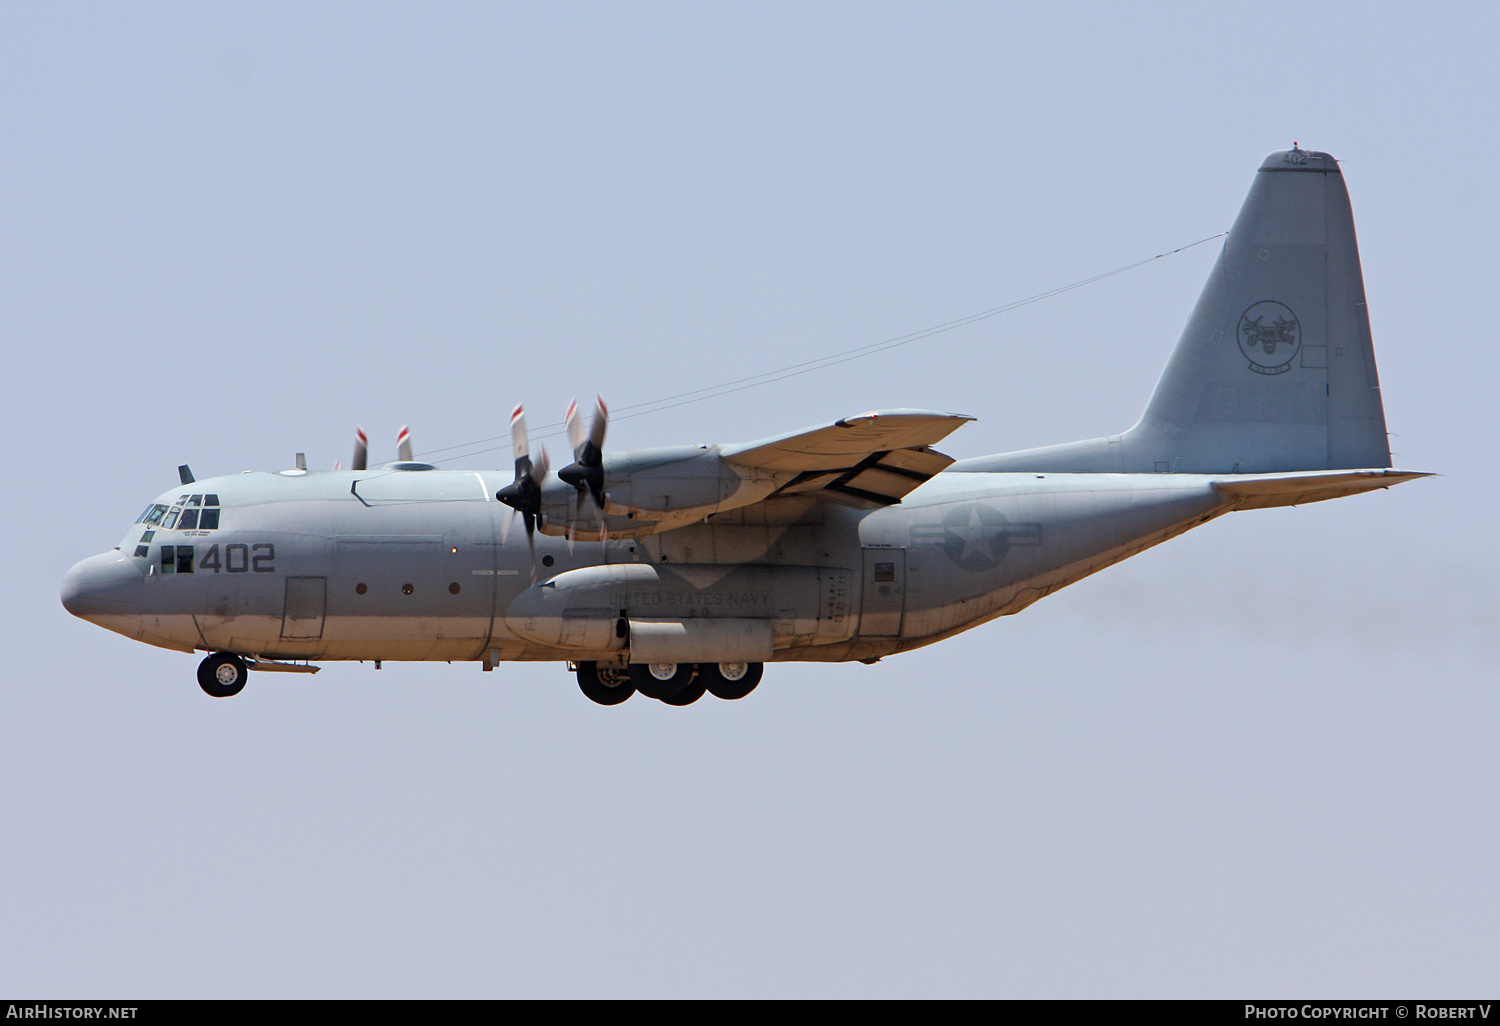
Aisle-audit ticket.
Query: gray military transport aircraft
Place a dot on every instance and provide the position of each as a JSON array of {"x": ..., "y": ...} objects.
[{"x": 680, "y": 571}]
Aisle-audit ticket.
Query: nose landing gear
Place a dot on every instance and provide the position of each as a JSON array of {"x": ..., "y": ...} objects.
[{"x": 222, "y": 675}]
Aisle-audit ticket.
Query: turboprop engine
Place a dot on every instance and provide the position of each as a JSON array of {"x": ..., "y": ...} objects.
[
  {"x": 650, "y": 490},
  {"x": 868, "y": 461}
]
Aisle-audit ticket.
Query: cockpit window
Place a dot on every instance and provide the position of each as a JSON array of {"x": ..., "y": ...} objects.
[{"x": 191, "y": 513}]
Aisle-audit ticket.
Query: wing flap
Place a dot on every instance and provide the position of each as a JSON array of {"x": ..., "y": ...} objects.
[{"x": 880, "y": 479}]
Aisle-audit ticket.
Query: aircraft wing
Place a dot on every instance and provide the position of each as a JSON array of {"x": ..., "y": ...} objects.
[{"x": 874, "y": 459}]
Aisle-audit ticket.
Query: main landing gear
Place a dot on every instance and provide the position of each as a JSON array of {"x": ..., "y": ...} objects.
[
  {"x": 669, "y": 683},
  {"x": 222, "y": 674}
]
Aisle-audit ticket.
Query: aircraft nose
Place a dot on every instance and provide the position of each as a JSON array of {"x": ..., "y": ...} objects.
[{"x": 103, "y": 586}]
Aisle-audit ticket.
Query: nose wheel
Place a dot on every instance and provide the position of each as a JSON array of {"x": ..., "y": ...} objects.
[{"x": 222, "y": 674}]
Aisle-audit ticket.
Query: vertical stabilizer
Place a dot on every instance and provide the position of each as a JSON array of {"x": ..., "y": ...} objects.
[{"x": 1275, "y": 370}]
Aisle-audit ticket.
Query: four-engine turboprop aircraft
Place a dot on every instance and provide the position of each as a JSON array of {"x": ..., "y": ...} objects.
[{"x": 682, "y": 570}]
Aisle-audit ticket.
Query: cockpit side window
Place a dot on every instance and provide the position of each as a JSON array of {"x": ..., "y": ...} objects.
[
  {"x": 189, "y": 521},
  {"x": 209, "y": 520}
]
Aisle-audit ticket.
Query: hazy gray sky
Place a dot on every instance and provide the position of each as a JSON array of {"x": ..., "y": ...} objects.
[{"x": 1258, "y": 760}]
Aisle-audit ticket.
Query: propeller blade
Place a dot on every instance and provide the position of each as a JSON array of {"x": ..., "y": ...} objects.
[
  {"x": 576, "y": 433},
  {"x": 587, "y": 468},
  {"x": 361, "y": 450},
  {"x": 403, "y": 444},
  {"x": 600, "y": 425},
  {"x": 524, "y": 494},
  {"x": 529, "y": 519},
  {"x": 518, "y": 433}
]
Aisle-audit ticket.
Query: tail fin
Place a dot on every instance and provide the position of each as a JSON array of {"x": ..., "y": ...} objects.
[{"x": 1275, "y": 370}]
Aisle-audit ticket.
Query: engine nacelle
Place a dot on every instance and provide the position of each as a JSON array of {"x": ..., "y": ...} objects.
[{"x": 652, "y": 490}]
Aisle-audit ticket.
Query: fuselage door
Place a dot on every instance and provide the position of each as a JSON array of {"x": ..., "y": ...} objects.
[
  {"x": 882, "y": 596},
  {"x": 305, "y": 601}
]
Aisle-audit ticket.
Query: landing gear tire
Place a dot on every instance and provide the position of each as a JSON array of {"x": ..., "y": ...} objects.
[
  {"x": 730, "y": 681},
  {"x": 222, "y": 675},
  {"x": 606, "y": 686},
  {"x": 689, "y": 694},
  {"x": 661, "y": 680}
]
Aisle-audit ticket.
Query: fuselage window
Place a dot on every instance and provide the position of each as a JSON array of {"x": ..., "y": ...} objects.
[
  {"x": 178, "y": 558},
  {"x": 189, "y": 521}
]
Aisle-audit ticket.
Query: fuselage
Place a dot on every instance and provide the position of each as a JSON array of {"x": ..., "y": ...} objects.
[{"x": 426, "y": 565}]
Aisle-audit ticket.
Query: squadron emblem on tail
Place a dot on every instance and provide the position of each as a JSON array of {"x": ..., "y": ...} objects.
[{"x": 1270, "y": 337}]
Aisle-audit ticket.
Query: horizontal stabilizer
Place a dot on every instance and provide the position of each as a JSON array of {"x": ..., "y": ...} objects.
[{"x": 1262, "y": 491}]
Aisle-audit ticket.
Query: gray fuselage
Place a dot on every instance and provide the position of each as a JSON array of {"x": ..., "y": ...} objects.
[{"x": 423, "y": 565}]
